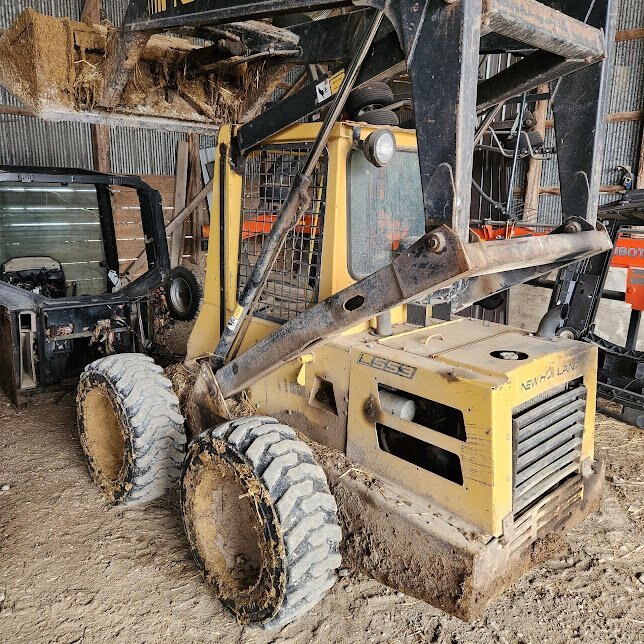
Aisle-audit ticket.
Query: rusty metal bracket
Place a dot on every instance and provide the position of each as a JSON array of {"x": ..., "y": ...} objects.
[{"x": 437, "y": 260}]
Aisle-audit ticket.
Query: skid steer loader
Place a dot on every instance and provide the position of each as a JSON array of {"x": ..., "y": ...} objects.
[{"x": 324, "y": 411}]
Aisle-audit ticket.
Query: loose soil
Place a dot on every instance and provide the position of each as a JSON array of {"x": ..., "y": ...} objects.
[{"x": 74, "y": 569}]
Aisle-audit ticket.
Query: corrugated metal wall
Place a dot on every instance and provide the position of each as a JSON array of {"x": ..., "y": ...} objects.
[
  {"x": 31, "y": 141},
  {"x": 25, "y": 140},
  {"x": 623, "y": 140}
]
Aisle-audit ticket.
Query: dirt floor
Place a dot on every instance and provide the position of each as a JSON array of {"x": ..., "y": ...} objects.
[{"x": 73, "y": 569}]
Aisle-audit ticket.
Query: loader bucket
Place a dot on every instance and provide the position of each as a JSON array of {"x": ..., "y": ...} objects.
[{"x": 56, "y": 67}]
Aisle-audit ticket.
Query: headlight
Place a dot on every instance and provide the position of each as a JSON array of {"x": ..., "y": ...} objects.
[{"x": 380, "y": 147}]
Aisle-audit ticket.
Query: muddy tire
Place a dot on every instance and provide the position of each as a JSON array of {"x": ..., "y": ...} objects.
[
  {"x": 130, "y": 428},
  {"x": 261, "y": 521}
]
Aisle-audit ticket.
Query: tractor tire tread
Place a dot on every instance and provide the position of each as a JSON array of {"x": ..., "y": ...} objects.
[
  {"x": 153, "y": 424},
  {"x": 304, "y": 507}
]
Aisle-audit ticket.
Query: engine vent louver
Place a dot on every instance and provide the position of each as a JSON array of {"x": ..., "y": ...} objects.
[{"x": 547, "y": 436}]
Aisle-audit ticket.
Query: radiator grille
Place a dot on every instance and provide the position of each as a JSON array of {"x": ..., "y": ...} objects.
[
  {"x": 293, "y": 282},
  {"x": 547, "y": 434}
]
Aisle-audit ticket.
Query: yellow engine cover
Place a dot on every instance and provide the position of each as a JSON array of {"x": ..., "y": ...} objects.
[{"x": 502, "y": 418}]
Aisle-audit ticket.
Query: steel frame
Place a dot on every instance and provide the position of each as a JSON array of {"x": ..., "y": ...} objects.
[
  {"x": 158, "y": 260},
  {"x": 82, "y": 311},
  {"x": 447, "y": 98},
  {"x": 437, "y": 260},
  {"x": 446, "y": 92}
]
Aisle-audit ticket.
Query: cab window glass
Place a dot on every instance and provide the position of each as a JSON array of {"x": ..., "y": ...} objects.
[{"x": 385, "y": 206}]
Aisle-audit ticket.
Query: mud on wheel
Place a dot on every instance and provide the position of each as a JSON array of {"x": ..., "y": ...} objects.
[
  {"x": 260, "y": 519},
  {"x": 130, "y": 428}
]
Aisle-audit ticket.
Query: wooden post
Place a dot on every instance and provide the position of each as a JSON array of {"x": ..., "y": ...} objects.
[
  {"x": 91, "y": 12},
  {"x": 175, "y": 224},
  {"x": 533, "y": 179},
  {"x": 101, "y": 156},
  {"x": 180, "y": 191},
  {"x": 195, "y": 185}
]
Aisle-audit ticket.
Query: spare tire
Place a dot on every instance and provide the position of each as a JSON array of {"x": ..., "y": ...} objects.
[
  {"x": 376, "y": 94},
  {"x": 379, "y": 117},
  {"x": 183, "y": 293}
]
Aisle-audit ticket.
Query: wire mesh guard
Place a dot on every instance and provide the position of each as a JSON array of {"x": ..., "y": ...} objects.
[{"x": 293, "y": 281}]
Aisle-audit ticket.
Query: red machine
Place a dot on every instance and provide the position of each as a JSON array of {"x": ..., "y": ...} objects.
[{"x": 629, "y": 254}]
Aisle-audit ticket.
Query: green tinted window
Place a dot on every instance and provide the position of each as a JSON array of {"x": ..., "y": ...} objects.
[{"x": 385, "y": 206}]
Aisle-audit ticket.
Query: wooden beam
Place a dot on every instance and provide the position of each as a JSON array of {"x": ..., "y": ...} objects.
[
  {"x": 605, "y": 190},
  {"x": 629, "y": 34},
  {"x": 615, "y": 117},
  {"x": 139, "y": 262},
  {"x": 180, "y": 189},
  {"x": 122, "y": 53},
  {"x": 101, "y": 155},
  {"x": 16, "y": 110},
  {"x": 195, "y": 184},
  {"x": 556, "y": 190},
  {"x": 189, "y": 209},
  {"x": 91, "y": 13},
  {"x": 533, "y": 178},
  {"x": 624, "y": 117}
]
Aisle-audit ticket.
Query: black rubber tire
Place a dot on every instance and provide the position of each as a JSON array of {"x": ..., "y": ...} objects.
[
  {"x": 376, "y": 94},
  {"x": 183, "y": 293},
  {"x": 126, "y": 406},
  {"x": 293, "y": 516},
  {"x": 529, "y": 120},
  {"x": 379, "y": 117},
  {"x": 291, "y": 19}
]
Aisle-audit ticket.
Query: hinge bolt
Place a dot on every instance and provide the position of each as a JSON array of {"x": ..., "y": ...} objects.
[
  {"x": 435, "y": 242},
  {"x": 572, "y": 227}
]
